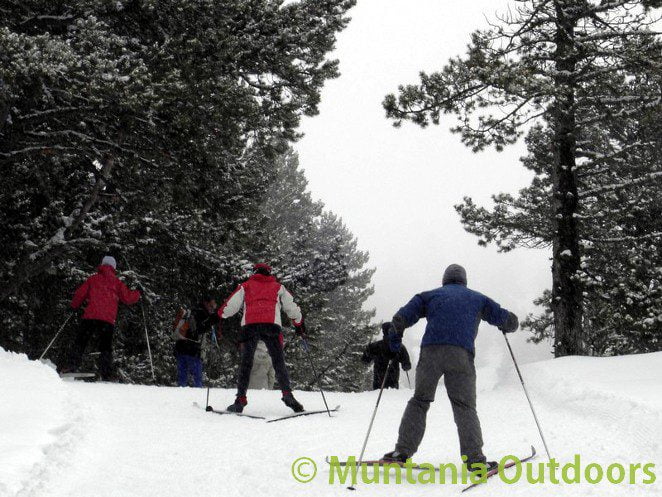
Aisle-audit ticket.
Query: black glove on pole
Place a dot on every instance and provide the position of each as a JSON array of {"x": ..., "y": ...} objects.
[
  {"x": 56, "y": 335},
  {"x": 312, "y": 366},
  {"x": 372, "y": 419},
  {"x": 527, "y": 395}
]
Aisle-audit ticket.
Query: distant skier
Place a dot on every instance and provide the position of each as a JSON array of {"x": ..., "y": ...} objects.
[
  {"x": 189, "y": 333},
  {"x": 263, "y": 374},
  {"x": 262, "y": 298},
  {"x": 453, "y": 313},
  {"x": 380, "y": 352},
  {"x": 102, "y": 292}
]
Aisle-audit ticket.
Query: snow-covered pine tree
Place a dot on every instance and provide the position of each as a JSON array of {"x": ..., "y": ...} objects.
[
  {"x": 551, "y": 61},
  {"x": 317, "y": 258},
  {"x": 336, "y": 286},
  {"x": 620, "y": 183},
  {"x": 145, "y": 129}
]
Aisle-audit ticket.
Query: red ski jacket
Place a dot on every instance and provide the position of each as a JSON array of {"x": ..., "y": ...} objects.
[
  {"x": 262, "y": 298},
  {"x": 103, "y": 291}
]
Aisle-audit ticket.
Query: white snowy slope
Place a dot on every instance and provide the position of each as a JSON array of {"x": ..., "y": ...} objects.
[
  {"x": 41, "y": 423},
  {"x": 75, "y": 439}
]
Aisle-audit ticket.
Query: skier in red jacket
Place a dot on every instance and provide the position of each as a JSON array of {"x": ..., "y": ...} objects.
[
  {"x": 262, "y": 298},
  {"x": 102, "y": 292}
]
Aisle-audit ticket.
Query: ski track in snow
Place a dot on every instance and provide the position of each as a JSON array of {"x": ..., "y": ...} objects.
[
  {"x": 107, "y": 440},
  {"x": 41, "y": 424}
]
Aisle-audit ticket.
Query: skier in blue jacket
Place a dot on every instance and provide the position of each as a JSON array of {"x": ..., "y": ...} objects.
[{"x": 453, "y": 313}]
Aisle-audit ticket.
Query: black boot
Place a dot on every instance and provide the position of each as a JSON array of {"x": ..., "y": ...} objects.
[
  {"x": 490, "y": 465},
  {"x": 395, "y": 456},
  {"x": 238, "y": 405},
  {"x": 291, "y": 402}
]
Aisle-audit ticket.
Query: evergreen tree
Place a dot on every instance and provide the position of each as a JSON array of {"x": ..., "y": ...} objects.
[
  {"x": 619, "y": 184},
  {"x": 318, "y": 260},
  {"x": 148, "y": 130},
  {"x": 576, "y": 67}
]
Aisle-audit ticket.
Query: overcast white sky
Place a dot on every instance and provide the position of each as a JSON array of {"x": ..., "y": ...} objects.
[{"x": 395, "y": 188}]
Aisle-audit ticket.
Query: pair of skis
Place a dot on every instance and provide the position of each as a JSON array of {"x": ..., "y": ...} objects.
[
  {"x": 488, "y": 475},
  {"x": 252, "y": 416}
]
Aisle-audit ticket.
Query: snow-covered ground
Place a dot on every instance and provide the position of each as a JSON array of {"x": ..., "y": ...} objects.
[{"x": 79, "y": 439}]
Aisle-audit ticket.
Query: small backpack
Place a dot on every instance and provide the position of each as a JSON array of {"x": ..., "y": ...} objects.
[{"x": 184, "y": 323}]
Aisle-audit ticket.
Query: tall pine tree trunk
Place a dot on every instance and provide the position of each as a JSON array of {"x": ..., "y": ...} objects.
[{"x": 567, "y": 291}]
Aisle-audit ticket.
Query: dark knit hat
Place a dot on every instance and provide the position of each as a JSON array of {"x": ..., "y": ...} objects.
[
  {"x": 455, "y": 274},
  {"x": 262, "y": 268}
]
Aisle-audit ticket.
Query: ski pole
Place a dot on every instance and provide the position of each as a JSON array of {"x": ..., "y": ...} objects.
[
  {"x": 372, "y": 419},
  {"x": 56, "y": 335},
  {"x": 521, "y": 379},
  {"x": 149, "y": 349},
  {"x": 312, "y": 366},
  {"x": 216, "y": 346},
  {"x": 142, "y": 308},
  {"x": 408, "y": 380}
]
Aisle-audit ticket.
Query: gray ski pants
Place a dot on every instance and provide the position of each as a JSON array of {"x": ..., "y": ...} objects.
[{"x": 456, "y": 365}]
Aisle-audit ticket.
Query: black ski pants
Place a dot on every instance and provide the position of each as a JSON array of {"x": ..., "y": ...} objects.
[
  {"x": 103, "y": 332},
  {"x": 250, "y": 335}
]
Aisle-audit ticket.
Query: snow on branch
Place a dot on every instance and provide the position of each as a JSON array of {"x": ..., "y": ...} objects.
[
  {"x": 648, "y": 236},
  {"x": 622, "y": 185}
]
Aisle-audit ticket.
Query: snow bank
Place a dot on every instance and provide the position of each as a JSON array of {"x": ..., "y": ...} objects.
[
  {"x": 624, "y": 393},
  {"x": 76, "y": 439},
  {"x": 635, "y": 379},
  {"x": 37, "y": 422}
]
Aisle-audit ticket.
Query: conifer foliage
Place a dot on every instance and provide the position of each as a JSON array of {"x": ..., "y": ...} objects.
[
  {"x": 581, "y": 79},
  {"x": 151, "y": 130},
  {"x": 318, "y": 260}
]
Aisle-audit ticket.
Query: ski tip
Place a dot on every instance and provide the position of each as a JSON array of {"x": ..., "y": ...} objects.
[{"x": 533, "y": 451}]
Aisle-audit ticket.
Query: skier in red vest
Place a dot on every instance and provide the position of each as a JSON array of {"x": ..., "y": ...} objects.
[
  {"x": 102, "y": 292},
  {"x": 262, "y": 298}
]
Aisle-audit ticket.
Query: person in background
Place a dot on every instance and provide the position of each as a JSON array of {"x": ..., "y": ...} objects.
[
  {"x": 101, "y": 294},
  {"x": 189, "y": 333},
  {"x": 386, "y": 362},
  {"x": 263, "y": 374}
]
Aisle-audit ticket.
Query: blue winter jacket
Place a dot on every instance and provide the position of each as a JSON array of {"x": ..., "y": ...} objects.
[{"x": 453, "y": 313}]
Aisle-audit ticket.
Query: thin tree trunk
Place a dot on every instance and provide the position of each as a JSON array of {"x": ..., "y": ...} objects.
[{"x": 567, "y": 288}]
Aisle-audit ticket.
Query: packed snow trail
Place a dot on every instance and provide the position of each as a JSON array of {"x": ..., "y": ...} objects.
[{"x": 75, "y": 439}]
